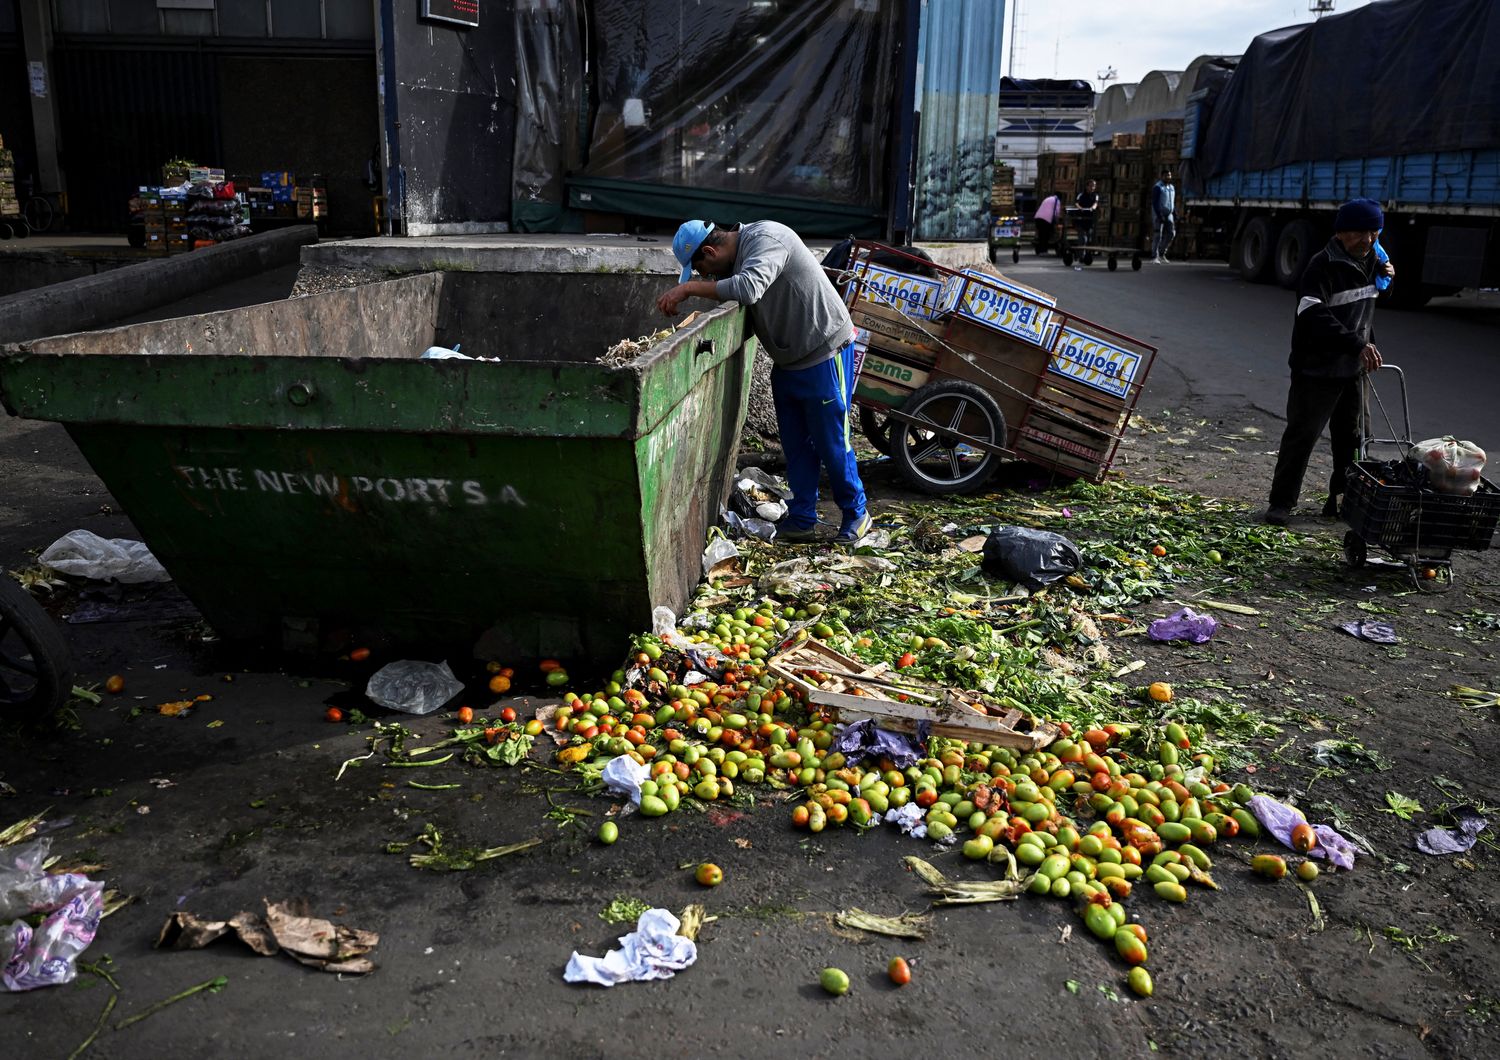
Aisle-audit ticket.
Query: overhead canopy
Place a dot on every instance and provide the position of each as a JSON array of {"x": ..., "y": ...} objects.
[{"x": 1392, "y": 78}]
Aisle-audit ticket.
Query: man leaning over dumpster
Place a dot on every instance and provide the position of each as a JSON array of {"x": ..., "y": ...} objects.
[
  {"x": 802, "y": 324},
  {"x": 1332, "y": 349}
]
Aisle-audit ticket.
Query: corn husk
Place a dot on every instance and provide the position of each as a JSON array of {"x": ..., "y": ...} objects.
[
  {"x": 965, "y": 892},
  {"x": 905, "y": 926}
]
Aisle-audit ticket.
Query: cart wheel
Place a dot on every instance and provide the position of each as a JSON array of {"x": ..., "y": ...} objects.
[
  {"x": 935, "y": 461},
  {"x": 35, "y": 674},
  {"x": 4, "y": 230},
  {"x": 1113, "y": 262},
  {"x": 1015, "y": 255},
  {"x": 1135, "y": 262},
  {"x": 1354, "y": 550},
  {"x": 1067, "y": 255},
  {"x": 19, "y": 228},
  {"x": 877, "y": 428},
  {"x": 1088, "y": 257}
]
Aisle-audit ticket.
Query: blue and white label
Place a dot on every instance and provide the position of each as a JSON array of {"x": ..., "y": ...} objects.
[
  {"x": 916, "y": 296},
  {"x": 1095, "y": 362},
  {"x": 989, "y": 300}
]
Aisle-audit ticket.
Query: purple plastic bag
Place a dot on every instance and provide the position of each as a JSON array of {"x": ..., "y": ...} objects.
[
  {"x": 1374, "y": 632},
  {"x": 1453, "y": 840},
  {"x": 1279, "y": 819},
  {"x": 864, "y": 739},
  {"x": 1186, "y": 624}
]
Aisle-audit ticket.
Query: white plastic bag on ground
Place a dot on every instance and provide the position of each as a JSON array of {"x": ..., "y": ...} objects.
[
  {"x": 623, "y": 775},
  {"x": 653, "y": 950},
  {"x": 1453, "y": 466},
  {"x": 84, "y": 554},
  {"x": 413, "y": 687},
  {"x": 72, "y": 906}
]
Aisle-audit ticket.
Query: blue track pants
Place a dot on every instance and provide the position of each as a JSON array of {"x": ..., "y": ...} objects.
[{"x": 812, "y": 415}]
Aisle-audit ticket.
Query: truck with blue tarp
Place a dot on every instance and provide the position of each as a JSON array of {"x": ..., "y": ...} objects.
[{"x": 1398, "y": 101}]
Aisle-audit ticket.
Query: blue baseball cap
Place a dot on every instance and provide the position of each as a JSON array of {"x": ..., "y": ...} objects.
[{"x": 685, "y": 244}]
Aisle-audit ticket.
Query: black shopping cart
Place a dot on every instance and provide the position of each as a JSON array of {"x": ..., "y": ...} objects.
[{"x": 1389, "y": 505}]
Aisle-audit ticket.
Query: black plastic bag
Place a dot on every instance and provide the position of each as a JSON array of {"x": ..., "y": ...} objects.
[{"x": 1033, "y": 558}]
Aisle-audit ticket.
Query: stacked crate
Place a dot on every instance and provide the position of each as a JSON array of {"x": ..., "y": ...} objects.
[
  {"x": 1003, "y": 192},
  {"x": 1058, "y": 172},
  {"x": 10, "y": 205}
]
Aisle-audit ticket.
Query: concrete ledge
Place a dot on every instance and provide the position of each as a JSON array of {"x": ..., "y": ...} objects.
[
  {"x": 548, "y": 253},
  {"x": 90, "y": 301}
]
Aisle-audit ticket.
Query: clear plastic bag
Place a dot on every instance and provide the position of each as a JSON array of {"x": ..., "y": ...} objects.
[
  {"x": 1453, "y": 466},
  {"x": 413, "y": 687},
  {"x": 84, "y": 554},
  {"x": 72, "y": 904}
]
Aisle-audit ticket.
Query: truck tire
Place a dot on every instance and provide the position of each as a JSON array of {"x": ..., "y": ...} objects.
[
  {"x": 1294, "y": 248},
  {"x": 1254, "y": 249},
  {"x": 35, "y": 668}
]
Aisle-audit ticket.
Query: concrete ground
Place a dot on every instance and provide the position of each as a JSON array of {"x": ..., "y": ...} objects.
[{"x": 239, "y": 802}]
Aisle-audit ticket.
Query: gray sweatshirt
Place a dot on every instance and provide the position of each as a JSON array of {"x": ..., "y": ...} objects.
[{"x": 797, "y": 314}]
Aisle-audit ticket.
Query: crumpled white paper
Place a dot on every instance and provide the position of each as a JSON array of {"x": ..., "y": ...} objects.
[
  {"x": 909, "y": 818},
  {"x": 624, "y": 776},
  {"x": 653, "y": 950}
]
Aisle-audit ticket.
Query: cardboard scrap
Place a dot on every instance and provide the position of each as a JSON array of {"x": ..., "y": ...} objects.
[{"x": 287, "y": 927}]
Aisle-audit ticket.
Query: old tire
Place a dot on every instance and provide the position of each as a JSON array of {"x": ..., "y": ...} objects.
[
  {"x": 1253, "y": 250},
  {"x": 35, "y": 671},
  {"x": 1294, "y": 249},
  {"x": 935, "y": 461},
  {"x": 876, "y": 427}
]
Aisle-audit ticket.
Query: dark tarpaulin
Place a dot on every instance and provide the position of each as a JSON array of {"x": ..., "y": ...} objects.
[
  {"x": 768, "y": 97},
  {"x": 1396, "y": 77}
]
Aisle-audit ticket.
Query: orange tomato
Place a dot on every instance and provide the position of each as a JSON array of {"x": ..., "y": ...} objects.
[
  {"x": 115, "y": 685},
  {"x": 465, "y": 715},
  {"x": 548, "y": 665},
  {"x": 1158, "y": 550},
  {"x": 333, "y": 714},
  {"x": 899, "y": 971},
  {"x": 1303, "y": 838},
  {"x": 709, "y": 874},
  {"x": 359, "y": 654},
  {"x": 500, "y": 684}
]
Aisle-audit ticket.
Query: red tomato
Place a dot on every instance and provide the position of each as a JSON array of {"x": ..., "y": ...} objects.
[
  {"x": 508, "y": 714},
  {"x": 333, "y": 714},
  {"x": 906, "y": 660},
  {"x": 465, "y": 715}
]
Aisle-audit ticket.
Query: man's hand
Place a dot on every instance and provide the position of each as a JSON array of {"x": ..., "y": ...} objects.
[
  {"x": 1387, "y": 269},
  {"x": 1370, "y": 357},
  {"x": 669, "y": 301}
]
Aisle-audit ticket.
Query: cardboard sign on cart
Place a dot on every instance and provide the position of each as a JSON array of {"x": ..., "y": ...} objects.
[
  {"x": 858, "y": 691},
  {"x": 998, "y": 303}
]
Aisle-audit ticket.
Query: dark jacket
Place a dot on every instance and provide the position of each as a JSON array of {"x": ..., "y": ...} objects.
[{"x": 1335, "y": 314}]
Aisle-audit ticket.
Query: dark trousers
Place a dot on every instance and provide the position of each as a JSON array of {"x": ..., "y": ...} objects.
[
  {"x": 1312, "y": 403},
  {"x": 1044, "y": 231}
]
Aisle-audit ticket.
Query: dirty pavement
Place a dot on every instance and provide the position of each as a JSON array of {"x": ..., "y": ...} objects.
[{"x": 1114, "y": 854}]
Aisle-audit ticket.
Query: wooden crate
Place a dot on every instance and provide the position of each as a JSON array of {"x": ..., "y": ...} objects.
[{"x": 858, "y": 691}]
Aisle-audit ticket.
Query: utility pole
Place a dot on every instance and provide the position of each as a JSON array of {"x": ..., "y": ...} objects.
[{"x": 1015, "y": 34}]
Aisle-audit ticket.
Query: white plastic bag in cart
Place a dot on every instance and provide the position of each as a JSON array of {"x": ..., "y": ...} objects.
[{"x": 1453, "y": 466}]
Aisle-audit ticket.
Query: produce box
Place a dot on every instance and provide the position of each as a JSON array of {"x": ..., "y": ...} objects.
[
  {"x": 916, "y": 296},
  {"x": 859, "y": 691},
  {"x": 1095, "y": 361},
  {"x": 892, "y": 332},
  {"x": 998, "y": 303}
]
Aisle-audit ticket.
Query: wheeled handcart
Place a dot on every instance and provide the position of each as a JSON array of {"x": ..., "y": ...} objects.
[{"x": 1387, "y": 504}]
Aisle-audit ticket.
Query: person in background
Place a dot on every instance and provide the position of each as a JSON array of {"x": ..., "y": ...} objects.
[
  {"x": 1049, "y": 218},
  {"x": 803, "y": 325},
  {"x": 1332, "y": 348},
  {"x": 1163, "y": 213},
  {"x": 1087, "y": 199}
]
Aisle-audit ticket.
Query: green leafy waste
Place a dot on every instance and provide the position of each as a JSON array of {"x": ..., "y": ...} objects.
[{"x": 623, "y": 910}]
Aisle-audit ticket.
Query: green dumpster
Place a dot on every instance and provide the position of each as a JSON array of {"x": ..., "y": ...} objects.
[{"x": 309, "y": 480}]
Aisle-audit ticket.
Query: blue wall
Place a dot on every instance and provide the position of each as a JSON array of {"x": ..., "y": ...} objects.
[{"x": 958, "y": 94}]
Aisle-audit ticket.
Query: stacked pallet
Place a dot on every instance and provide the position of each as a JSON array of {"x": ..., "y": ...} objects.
[{"x": 9, "y": 203}]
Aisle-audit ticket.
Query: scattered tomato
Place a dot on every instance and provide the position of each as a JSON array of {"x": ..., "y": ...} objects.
[
  {"x": 835, "y": 981},
  {"x": 899, "y": 971},
  {"x": 491, "y": 735},
  {"x": 1303, "y": 838},
  {"x": 465, "y": 715},
  {"x": 1160, "y": 691},
  {"x": 1158, "y": 550},
  {"x": 333, "y": 714},
  {"x": 500, "y": 684},
  {"x": 508, "y": 715},
  {"x": 548, "y": 665},
  {"x": 907, "y": 659},
  {"x": 709, "y": 874},
  {"x": 359, "y": 654},
  {"x": 608, "y": 833},
  {"x": 115, "y": 685}
]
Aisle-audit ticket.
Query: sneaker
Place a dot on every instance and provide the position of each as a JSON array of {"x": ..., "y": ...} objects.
[
  {"x": 1277, "y": 516},
  {"x": 798, "y": 535},
  {"x": 1157, "y": 260},
  {"x": 854, "y": 532}
]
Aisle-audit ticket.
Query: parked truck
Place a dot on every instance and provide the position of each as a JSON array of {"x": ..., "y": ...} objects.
[{"x": 1397, "y": 101}]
